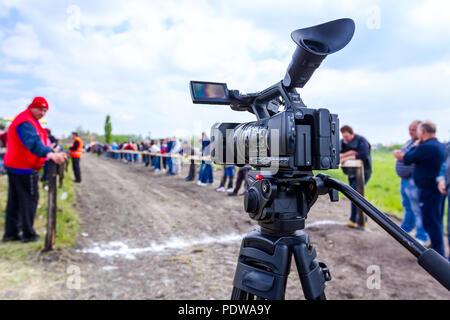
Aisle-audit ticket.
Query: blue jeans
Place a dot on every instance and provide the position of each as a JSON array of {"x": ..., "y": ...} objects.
[
  {"x": 229, "y": 172},
  {"x": 448, "y": 220},
  {"x": 156, "y": 162},
  {"x": 431, "y": 201},
  {"x": 206, "y": 173},
  {"x": 410, "y": 203},
  {"x": 448, "y": 217},
  {"x": 169, "y": 163}
]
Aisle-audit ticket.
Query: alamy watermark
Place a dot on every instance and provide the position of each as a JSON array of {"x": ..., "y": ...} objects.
[
  {"x": 73, "y": 281},
  {"x": 259, "y": 148},
  {"x": 374, "y": 280},
  {"x": 373, "y": 21},
  {"x": 73, "y": 22}
]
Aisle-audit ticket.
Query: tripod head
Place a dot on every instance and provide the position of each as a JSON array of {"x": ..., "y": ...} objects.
[{"x": 280, "y": 203}]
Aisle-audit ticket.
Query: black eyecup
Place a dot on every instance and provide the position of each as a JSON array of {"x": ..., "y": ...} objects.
[{"x": 437, "y": 266}]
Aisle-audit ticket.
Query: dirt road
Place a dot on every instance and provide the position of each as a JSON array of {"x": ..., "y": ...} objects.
[{"x": 150, "y": 236}]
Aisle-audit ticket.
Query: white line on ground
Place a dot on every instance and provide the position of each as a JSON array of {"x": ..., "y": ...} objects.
[
  {"x": 324, "y": 223},
  {"x": 121, "y": 249},
  {"x": 118, "y": 248}
]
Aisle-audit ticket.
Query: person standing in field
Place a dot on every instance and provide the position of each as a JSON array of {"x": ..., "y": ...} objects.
[
  {"x": 177, "y": 161},
  {"x": 428, "y": 155},
  {"x": 76, "y": 152},
  {"x": 135, "y": 156},
  {"x": 129, "y": 156},
  {"x": 410, "y": 193},
  {"x": 242, "y": 176},
  {"x": 3, "y": 138},
  {"x": 163, "y": 151},
  {"x": 228, "y": 173},
  {"x": 353, "y": 147},
  {"x": 205, "y": 176},
  {"x": 169, "y": 160},
  {"x": 24, "y": 157},
  {"x": 444, "y": 188},
  {"x": 52, "y": 142},
  {"x": 189, "y": 151},
  {"x": 156, "y": 161}
]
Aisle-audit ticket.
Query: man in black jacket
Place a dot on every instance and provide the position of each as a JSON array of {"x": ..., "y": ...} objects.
[{"x": 353, "y": 147}]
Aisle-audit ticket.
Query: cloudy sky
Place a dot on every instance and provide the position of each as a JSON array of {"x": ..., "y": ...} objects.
[{"x": 134, "y": 59}]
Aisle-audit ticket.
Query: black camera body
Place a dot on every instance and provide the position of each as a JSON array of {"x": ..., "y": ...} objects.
[
  {"x": 287, "y": 136},
  {"x": 298, "y": 139}
]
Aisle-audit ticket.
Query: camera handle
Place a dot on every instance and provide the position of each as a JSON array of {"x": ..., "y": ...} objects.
[
  {"x": 436, "y": 265},
  {"x": 259, "y": 103}
]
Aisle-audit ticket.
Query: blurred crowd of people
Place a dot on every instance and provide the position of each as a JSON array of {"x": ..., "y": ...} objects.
[
  {"x": 423, "y": 166},
  {"x": 173, "y": 151}
]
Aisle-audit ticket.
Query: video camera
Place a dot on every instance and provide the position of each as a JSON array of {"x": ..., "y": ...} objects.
[
  {"x": 287, "y": 135},
  {"x": 291, "y": 140}
]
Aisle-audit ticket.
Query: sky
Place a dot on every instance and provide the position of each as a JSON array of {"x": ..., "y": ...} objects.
[{"x": 133, "y": 60}]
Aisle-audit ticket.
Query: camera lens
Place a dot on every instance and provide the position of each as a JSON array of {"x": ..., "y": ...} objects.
[{"x": 251, "y": 143}]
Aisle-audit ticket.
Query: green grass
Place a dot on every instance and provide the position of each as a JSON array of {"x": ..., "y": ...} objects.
[
  {"x": 67, "y": 225},
  {"x": 383, "y": 189}
]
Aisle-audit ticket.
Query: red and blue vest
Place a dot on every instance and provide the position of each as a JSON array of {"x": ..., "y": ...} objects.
[{"x": 17, "y": 155}]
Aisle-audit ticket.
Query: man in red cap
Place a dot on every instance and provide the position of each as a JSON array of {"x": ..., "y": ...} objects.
[{"x": 24, "y": 157}]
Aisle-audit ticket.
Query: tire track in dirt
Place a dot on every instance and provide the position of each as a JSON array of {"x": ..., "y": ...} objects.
[{"x": 149, "y": 203}]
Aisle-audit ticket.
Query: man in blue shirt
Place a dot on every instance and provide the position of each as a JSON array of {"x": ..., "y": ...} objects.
[
  {"x": 206, "y": 170},
  {"x": 428, "y": 156},
  {"x": 169, "y": 160},
  {"x": 410, "y": 193}
]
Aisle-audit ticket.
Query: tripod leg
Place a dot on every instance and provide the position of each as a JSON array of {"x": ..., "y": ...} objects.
[
  {"x": 313, "y": 273},
  {"x": 238, "y": 294},
  {"x": 262, "y": 269}
]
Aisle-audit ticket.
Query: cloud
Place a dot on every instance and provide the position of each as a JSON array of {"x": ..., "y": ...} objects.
[
  {"x": 382, "y": 104},
  {"x": 133, "y": 60},
  {"x": 431, "y": 16},
  {"x": 23, "y": 44},
  {"x": 90, "y": 69}
]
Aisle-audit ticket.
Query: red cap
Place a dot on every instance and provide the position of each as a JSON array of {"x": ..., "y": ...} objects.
[
  {"x": 259, "y": 177},
  {"x": 38, "y": 102}
]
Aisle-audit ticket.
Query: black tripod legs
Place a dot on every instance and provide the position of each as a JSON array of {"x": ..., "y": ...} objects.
[
  {"x": 313, "y": 273},
  {"x": 264, "y": 265},
  {"x": 262, "y": 269}
]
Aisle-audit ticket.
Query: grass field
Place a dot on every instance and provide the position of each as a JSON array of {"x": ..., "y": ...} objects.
[{"x": 384, "y": 184}]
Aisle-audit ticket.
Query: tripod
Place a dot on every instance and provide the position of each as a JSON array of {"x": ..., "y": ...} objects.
[
  {"x": 264, "y": 264},
  {"x": 280, "y": 204}
]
